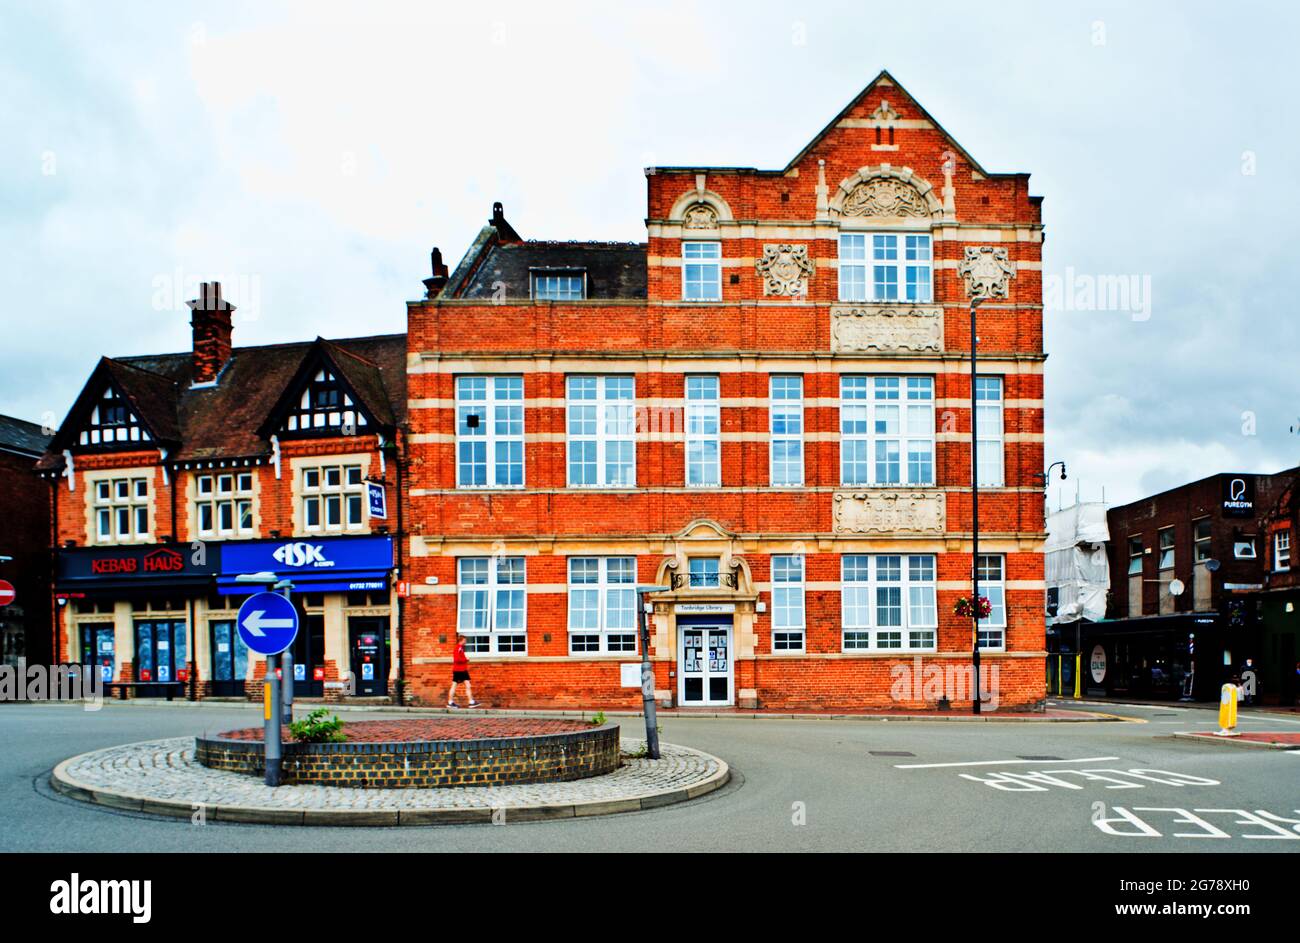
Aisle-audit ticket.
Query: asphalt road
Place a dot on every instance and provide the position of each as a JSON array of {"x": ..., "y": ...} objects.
[{"x": 798, "y": 785}]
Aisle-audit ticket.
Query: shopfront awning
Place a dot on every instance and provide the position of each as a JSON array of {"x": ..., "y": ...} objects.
[{"x": 319, "y": 565}]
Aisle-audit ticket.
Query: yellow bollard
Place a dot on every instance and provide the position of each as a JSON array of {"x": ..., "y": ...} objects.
[
  {"x": 1227, "y": 710},
  {"x": 266, "y": 700},
  {"x": 1078, "y": 667}
]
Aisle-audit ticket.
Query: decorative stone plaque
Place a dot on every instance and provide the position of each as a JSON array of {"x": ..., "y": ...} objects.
[
  {"x": 889, "y": 512},
  {"x": 886, "y": 328}
]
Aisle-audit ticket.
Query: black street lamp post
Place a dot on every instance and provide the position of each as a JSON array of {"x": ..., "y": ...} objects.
[{"x": 975, "y": 511}]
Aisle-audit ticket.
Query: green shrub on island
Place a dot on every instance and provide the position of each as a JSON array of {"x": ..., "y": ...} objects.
[{"x": 315, "y": 728}]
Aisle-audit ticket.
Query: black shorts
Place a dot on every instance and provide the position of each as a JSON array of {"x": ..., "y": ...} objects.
[{"x": 458, "y": 676}]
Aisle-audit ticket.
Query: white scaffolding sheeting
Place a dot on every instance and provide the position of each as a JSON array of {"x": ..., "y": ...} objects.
[{"x": 1076, "y": 562}]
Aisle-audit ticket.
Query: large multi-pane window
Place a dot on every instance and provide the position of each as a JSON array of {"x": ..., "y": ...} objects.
[
  {"x": 884, "y": 267},
  {"x": 492, "y": 607},
  {"x": 702, "y": 572},
  {"x": 703, "y": 444},
  {"x": 223, "y": 504},
  {"x": 788, "y": 603},
  {"x": 602, "y": 431},
  {"x": 888, "y": 602},
  {"x": 490, "y": 432},
  {"x": 602, "y": 604},
  {"x": 785, "y": 415},
  {"x": 886, "y": 430},
  {"x": 559, "y": 286},
  {"x": 702, "y": 271},
  {"x": 991, "y": 569},
  {"x": 988, "y": 415},
  {"x": 121, "y": 508},
  {"x": 333, "y": 498}
]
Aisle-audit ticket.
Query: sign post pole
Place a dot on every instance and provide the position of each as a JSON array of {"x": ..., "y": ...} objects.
[
  {"x": 648, "y": 673},
  {"x": 287, "y": 661},
  {"x": 271, "y": 715}
]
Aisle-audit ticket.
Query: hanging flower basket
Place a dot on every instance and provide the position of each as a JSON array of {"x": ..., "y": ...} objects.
[{"x": 965, "y": 608}]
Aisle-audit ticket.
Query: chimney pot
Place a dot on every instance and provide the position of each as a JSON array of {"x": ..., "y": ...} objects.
[{"x": 435, "y": 284}]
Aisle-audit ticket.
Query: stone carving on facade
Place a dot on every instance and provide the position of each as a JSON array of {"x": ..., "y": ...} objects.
[
  {"x": 884, "y": 112},
  {"x": 987, "y": 271},
  {"x": 700, "y": 216},
  {"x": 785, "y": 269},
  {"x": 886, "y": 328},
  {"x": 886, "y": 513},
  {"x": 885, "y": 196}
]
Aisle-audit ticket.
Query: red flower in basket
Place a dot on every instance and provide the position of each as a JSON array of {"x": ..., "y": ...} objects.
[{"x": 965, "y": 608}]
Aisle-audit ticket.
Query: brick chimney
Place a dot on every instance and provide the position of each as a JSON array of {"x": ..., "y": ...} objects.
[
  {"x": 435, "y": 284},
  {"x": 210, "y": 321}
]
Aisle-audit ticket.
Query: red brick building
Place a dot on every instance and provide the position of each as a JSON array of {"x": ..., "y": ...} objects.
[
  {"x": 765, "y": 407},
  {"x": 24, "y": 544},
  {"x": 173, "y": 474}
]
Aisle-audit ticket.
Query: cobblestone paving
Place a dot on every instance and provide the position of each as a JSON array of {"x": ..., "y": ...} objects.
[{"x": 166, "y": 770}]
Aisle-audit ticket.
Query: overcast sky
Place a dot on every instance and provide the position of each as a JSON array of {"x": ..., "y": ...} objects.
[{"x": 308, "y": 156}]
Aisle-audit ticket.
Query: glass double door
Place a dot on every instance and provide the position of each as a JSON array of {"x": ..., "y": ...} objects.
[
  {"x": 704, "y": 666},
  {"x": 159, "y": 654},
  {"x": 97, "y": 650},
  {"x": 229, "y": 660}
]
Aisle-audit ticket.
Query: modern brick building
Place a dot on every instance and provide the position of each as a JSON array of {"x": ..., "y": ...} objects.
[
  {"x": 1187, "y": 569},
  {"x": 765, "y": 407},
  {"x": 174, "y": 474},
  {"x": 24, "y": 544}
]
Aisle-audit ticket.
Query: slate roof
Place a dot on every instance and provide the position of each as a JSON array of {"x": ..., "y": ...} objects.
[
  {"x": 223, "y": 420},
  {"x": 614, "y": 269},
  {"x": 19, "y": 435}
]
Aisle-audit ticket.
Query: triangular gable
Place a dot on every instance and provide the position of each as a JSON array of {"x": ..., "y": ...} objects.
[
  {"x": 120, "y": 407},
  {"x": 330, "y": 394},
  {"x": 899, "y": 95}
]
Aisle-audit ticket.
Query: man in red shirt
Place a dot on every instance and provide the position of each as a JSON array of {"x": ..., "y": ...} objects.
[{"x": 459, "y": 673}]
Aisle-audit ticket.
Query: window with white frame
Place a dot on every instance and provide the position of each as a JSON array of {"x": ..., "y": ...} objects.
[
  {"x": 1243, "y": 548},
  {"x": 1166, "y": 541},
  {"x": 223, "y": 504},
  {"x": 121, "y": 508},
  {"x": 333, "y": 498},
  {"x": 490, "y": 432},
  {"x": 703, "y": 443},
  {"x": 702, "y": 572},
  {"x": 492, "y": 604},
  {"x": 701, "y": 271},
  {"x": 785, "y": 417},
  {"x": 111, "y": 421},
  {"x": 1282, "y": 550},
  {"x": 988, "y": 415},
  {"x": 993, "y": 587},
  {"x": 559, "y": 286},
  {"x": 1134, "y": 556},
  {"x": 1201, "y": 540},
  {"x": 888, "y": 602},
  {"x": 788, "y": 603},
  {"x": 325, "y": 407},
  {"x": 884, "y": 267},
  {"x": 602, "y": 604},
  {"x": 601, "y": 431},
  {"x": 886, "y": 430}
]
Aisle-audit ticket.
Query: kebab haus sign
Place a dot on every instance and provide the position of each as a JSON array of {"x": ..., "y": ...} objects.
[{"x": 139, "y": 567}]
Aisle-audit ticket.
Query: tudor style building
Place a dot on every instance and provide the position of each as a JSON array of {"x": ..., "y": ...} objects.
[
  {"x": 174, "y": 474},
  {"x": 765, "y": 409}
]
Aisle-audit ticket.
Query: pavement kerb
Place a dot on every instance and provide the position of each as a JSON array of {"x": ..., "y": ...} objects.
[
  {"x": 1232, "y": 741},
  {"x": 62, "y": 782},
  {"x": 1083, "y": 716}
]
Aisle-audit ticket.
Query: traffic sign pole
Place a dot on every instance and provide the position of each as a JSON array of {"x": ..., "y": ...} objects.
[
  {"x": 286, "y": 660},
  {"x": 271, "y": 715}
]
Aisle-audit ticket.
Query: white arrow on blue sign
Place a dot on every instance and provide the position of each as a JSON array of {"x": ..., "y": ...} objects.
[{"x": 268, "y": 623}]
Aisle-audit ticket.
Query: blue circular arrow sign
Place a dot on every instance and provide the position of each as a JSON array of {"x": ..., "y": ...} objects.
[{"x": 268, "y": 623}]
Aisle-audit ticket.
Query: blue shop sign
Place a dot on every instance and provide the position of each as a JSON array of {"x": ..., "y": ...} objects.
[{"x": 315, "y": 564}]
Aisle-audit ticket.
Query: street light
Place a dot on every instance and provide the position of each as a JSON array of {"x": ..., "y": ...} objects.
[{"x": 647, "y": 671}]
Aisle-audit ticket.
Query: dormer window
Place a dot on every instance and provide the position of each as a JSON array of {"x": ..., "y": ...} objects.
[
  {"x": 559, "y": 285},
  {"x": 112, "y": 421},
  {"x": 325, "y": 407}
]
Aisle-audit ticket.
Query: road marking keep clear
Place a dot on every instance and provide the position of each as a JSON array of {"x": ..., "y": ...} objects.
[
  {"x": 1043, "y": 780},
  {"x": 1125, "y": 823}
]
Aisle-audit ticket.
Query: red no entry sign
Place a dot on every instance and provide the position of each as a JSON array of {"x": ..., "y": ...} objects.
[{"x": 6, "y": 593}]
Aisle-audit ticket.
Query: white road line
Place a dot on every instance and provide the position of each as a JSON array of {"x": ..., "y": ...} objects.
[{"x": 1088, "y": 759}]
